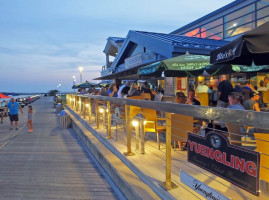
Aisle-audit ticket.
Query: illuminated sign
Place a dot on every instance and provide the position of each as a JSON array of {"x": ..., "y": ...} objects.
[{"x": 214, "y": 153}]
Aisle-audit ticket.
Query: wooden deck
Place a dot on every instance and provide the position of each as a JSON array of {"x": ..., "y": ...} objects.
[
  {"x": 152, "y": 164},
  {"x": 49, "y": 163}
]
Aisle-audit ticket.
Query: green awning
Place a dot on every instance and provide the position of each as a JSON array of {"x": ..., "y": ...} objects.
[
  {"x": 252, "y": 68},
  {"x": 153, "y": 69}
]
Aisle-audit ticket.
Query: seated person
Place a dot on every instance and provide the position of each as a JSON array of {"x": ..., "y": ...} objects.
[
  {"x": 134, "y": 90},
  {"x": 235, "y": 99},
  {"x": 112, "y": 92},
  {"x": 252, "y": 103},
  {"x": 191, "y": 99},
  {"x": 180, "y": 98}
]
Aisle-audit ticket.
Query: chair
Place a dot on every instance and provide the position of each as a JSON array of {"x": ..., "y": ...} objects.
[
  {"x": 151, "y": 124},
  {"x": 263, "y": 147},
  {"x": 134, "y": 110},
  {"x": 265, "y": 96},
  {"x": 203, "y": 98},
  {"x": 235, "y": 135},
  {"x": 181, "y": 125},
  {"x": 146, "y": 96}
]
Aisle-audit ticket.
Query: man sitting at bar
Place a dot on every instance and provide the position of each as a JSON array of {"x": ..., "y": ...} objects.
[
  {"x": 252, "y": 103},
  {"x": 191, "y": 99}
]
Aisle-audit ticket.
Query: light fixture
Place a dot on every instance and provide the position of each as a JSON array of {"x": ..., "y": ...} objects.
[
  {"x": 101, "y": 110},
  {"x": 235, "y": 24},
  {"x": 80, "y": 69},
  {"x": 87, "y": 105},
  {"x": 145, "y": 122},
  {"x": 135, "y": 123}
]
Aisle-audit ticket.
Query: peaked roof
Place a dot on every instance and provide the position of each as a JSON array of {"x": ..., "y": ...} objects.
[
  {"x": 166, "y": 45},
  {"x": 113, "y": 41}
]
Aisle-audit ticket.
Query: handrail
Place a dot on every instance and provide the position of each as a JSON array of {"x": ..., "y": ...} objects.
[{"x": 240, "y": 117}]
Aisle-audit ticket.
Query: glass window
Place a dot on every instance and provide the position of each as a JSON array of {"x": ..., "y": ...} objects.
[
  {"x": 239, "y": 30},
  {"x": 194, "y": 33},
  {"x": 263, "y": 12},
  {"x": 239, "y": 13},
  {"x": 239, "y": 21},
  {"x": 262, "y": 21},
  {"x": 218, "y": 36},
  {"x": 213, "y": 31},
  {"x": 212, "y": 24},
  {"x": 262, "y": 3}
]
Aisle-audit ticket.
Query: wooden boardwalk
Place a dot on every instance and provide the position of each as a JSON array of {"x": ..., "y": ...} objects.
[{"x": 49, "y": 163}]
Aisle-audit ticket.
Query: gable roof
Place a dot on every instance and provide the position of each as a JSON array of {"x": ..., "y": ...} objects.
[
  {"x": 113, "y": 41},
  {"x": 166, "y": 45}
]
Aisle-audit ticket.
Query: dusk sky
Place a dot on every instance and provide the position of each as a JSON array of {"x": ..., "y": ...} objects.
[{"x": 43, "y": 42}]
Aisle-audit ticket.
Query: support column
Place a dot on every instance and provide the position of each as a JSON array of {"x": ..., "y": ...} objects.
[
  {"x": 108, "y": 121},
  {"x": 129, "y": 132},
  {"x": 168, "y": 184},
  {"x": 90, "y": 110},
  {"x": 97, "y": 113}
]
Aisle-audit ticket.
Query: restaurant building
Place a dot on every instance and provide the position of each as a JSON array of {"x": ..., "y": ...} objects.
[{"x": 203, "y": 35}]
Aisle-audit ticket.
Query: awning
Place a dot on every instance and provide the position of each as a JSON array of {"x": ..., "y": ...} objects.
[
  {"x": 179, "y": 66},
  {"x": 250, "y": 47},
  {"x": 252, "y": 68},
  {"x": 2, "y": 96}
]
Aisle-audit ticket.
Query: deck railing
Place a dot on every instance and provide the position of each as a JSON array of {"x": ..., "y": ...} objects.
[{"x": 95, "y": 107}]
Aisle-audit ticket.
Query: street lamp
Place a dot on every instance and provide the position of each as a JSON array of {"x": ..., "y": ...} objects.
[
  {"x": 80, "y": 70},
  {"x": 74, "y": 81}
]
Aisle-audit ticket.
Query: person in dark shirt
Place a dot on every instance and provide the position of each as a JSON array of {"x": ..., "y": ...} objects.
[
  {"x": 225, "y": 88},
  {"x": 125, "y": 90},
  {"x": 191, "y": 100}
]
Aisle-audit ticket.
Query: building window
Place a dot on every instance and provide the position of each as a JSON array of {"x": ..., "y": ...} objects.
[
  {"x": 262, "y": 21},
  {"x": 206, "y": 33},
  {"x": 239, "y": 21},
  {"x": 262, "y": 3},
  {"x": 218, "y": 36},
  {"x": 194, "y": 33},
  {"x": 263, "y": 12},
  {"x": 212, "y": 24},
  {"x": 239, "y": 30},
  {"x": 239, "y": 13}
]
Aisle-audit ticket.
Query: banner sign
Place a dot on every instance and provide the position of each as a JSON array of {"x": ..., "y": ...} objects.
[
  {"x": 237, "y": 165},
  {"x": 200, "y": 187}
]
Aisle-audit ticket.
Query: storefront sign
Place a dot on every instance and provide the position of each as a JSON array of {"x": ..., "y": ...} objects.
[
  {"x": 133, "y": 61},
  {"x": 200, "y": 187},
  {"x": 235, "y": 164}
]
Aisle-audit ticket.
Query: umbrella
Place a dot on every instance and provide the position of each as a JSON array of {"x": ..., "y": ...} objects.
[
  {"x": 250, "y": 47},
  {"x": 2, "y": 96},
  {"x": 86, "y": 84},
  {"x": 180, "y": 66}
]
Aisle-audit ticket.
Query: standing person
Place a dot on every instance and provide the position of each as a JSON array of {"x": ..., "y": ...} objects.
[
  {"x": 13, "y": 108},
  {"x": 202, "y": 88},
  {"x": 191, "y": 99},
  {"x": 224, "y": 89},
  {"x": 112, "y": 92},
  {"x": 252, "y": 103},
  {"x": 30, "y": 119}
]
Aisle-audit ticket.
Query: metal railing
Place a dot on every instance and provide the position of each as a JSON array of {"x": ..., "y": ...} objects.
[{"x": 100, "y": 107}]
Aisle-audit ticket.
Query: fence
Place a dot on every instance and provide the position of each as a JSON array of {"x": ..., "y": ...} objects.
[{"x": 136, "y": 117}]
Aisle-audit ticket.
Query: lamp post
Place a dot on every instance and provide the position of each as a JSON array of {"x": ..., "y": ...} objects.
[
  {"x": 58, "y": 86},
  {"x": 80, "y": 70}
]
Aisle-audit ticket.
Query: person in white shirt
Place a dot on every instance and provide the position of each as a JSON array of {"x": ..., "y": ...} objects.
[{"x": 201, "y": 88}]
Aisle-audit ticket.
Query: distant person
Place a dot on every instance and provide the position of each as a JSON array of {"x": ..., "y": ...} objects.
[
  {"x": 235, "y": 100},
  {"x": 13, "y": 109},
  {"x": 160, "y": 89},
  {"x": 180, "y": 98},
  {"x": 225, "y": 88},
  {"x": 247, "y": 86},
  {"x": 103, "y": 92},
  {"x": 191, "y": 99},
  {"x": 266, "y": 82},
  {"x": 252, "y": 103},
  {"x": 4, "y": 104},
  {"x": 262, "y": 87},
  {"x": 112, "y": 92},
  {"x": 30, "y": 119},
  {"x": 83, "y": 91},
  {"x": 202, "y": 88},
  {"x": 134, "y": 90},
  {"x": 2, "y": 117}
]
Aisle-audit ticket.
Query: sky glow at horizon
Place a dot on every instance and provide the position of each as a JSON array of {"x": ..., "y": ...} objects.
[{"x": 43, "y": 42}]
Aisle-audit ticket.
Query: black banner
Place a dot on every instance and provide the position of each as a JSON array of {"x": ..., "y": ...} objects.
[{"x": 237, "y": 165}]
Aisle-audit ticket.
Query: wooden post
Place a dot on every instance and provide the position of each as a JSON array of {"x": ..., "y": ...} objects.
[
  {"x": 168, "y": 184},
  {"x": 108, "y": 121},
  {"x": 142, "y": 135},
  {"x": 129, "y": 132},
  {"x": 84, "y": 107},
  {"x": 90, "y": 110},
  {"x": 96, "y": 113}
]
